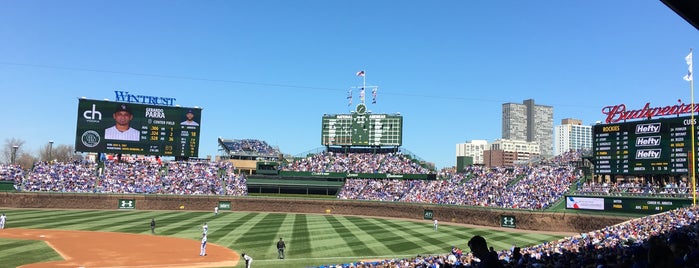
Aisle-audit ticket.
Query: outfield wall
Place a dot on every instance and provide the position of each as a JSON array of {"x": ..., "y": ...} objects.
[{"x": 528, "y": 220}]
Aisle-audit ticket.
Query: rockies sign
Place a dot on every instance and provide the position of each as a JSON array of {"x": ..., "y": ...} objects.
[
  {"x": 508, "y": 221},
  {"x": 126, "y": 204}
]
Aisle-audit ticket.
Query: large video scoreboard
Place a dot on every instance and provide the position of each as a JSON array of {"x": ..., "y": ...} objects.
[
  {"x": 362, "y": 129},
  {"x": 131, "y": 128},
  {"x": 656, "y": 146}
]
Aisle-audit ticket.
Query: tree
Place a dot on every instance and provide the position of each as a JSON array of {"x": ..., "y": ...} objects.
[
  {"x": 8, "y": 148},
  {"x": 59, "y": 153},
  {"x": 26, "y": 160}
]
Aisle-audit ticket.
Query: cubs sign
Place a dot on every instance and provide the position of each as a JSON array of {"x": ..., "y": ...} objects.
[
  {"x": 508, "y": 221},
  {"x": 126, "y": 204}
]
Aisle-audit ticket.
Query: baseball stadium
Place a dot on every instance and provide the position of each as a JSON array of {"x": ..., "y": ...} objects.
[
  {"x": 133, "y": 191},
  {"x": 360, "y": 200}
]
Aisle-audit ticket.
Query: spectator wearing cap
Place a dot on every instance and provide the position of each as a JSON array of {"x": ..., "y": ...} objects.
[
  {"x": 190, "y": 119},
  {"x": 121, "y": 130}
]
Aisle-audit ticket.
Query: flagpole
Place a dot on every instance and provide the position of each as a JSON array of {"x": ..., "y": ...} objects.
[
  {"x": 694, "y": 147},
  {"x": 364, "y": 85}
]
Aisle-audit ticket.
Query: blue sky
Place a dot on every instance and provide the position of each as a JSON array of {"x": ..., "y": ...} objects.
[{"x": 269, "y": 70}]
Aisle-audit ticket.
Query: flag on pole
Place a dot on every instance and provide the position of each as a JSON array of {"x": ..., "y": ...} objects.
[
  {"x": 688, "y": 59},
  {"x": 360, "y": 73},
  {"x": 361, "y": 95},
  {"x": 373, "y": 94},
  {"x": 349, "y": 93}
]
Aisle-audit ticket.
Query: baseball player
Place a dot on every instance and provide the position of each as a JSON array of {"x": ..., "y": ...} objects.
[
  {"x": 202, "y": 251},
  {"x": 248, "y": 260},
  {"x": 152, "y": 225},
  {"x": 3, "y": 218},
  {"x": 216, "y": 211},
  {"x": 436, "y": 224},
  {"x": 205, "y": 228}
]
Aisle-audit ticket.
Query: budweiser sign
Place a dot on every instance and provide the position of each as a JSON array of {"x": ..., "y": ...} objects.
[{"x": 618, "y": 112}]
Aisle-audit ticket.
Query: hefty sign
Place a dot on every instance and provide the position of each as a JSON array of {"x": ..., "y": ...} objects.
[
  {"x": 648, "y": 128},
  {"x": 647, "y": 141},
  {"x": 648, "y": 154}
]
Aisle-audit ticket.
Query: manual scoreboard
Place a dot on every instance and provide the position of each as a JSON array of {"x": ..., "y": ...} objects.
[
  {"x": 131, "y": 128},
  {"x": 362, "y": 129},
  {"x": 656, "y": 146}
]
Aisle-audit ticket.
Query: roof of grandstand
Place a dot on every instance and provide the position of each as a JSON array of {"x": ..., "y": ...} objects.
[{"x": 247, "y": 148}]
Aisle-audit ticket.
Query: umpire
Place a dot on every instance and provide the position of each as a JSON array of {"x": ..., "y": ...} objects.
[{"x": 280, "y": 248}]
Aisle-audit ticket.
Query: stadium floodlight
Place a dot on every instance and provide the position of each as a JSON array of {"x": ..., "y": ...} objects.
[
  {"x": 50, "y": 149},
  {"x": 14, "y": 153}
]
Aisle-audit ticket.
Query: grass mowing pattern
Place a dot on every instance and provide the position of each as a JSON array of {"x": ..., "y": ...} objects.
[
  {"x": 20, "y": 252},
  {"x": 311, "y": 239}
]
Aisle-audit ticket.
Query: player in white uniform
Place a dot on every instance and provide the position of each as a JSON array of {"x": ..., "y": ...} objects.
[
  {"x": 202, "y": 251},
  {"x": 3, "y": 218},
  {"x": 205, "y": 228},
  {"x": 216, "y": 211},
  {"x": 248, "y": 260},
  {"x": 436, "y": 224}
]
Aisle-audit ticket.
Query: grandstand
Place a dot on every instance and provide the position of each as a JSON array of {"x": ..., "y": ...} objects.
[{"x": 249, "y": 154}]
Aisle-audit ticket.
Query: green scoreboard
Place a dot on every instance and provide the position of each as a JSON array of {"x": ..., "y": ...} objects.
[
  {"x": 132, "y": 128},
  {"x": 655, "y": 146},
  {"x": 362, "y": 129}
]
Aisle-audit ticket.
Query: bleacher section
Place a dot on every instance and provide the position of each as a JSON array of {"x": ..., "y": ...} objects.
[
  {"x": 137, "y": 177},
  {"x": 245, "y": 154}
]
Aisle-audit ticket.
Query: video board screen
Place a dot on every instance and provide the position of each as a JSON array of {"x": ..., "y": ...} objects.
[
  {"x": 656, "y": 146},
  {"x": 131, "y": 128},
  {"x": 362, "y": 130}
]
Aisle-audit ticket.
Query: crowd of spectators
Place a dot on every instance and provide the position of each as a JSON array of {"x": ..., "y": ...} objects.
[
  {"x": 74, "y": 177},
  {"x": 385, "y": 163},
  {"x": 251, "y": 146},
  {"x": 142, "y": 177},
  {"x": 669, "y": 239},
  {"x": 524, "y": 187},
  {"x": 636, "y": 188},
  {"x": 136, "y": 177},
  {"x": 13, "y": 173}
]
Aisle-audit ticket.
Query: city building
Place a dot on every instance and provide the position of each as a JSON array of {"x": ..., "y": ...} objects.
[
  {"x": 529, "y": 122},
  {"x": 571, "y": 134},
  {"x": 472, "y": 149},
  {"x": 504, "y": 152}
]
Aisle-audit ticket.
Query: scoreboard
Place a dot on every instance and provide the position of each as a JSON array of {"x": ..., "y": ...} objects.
[
  {"x": 362, "y": 130},
  {"x": 656, "y": 146},
  {"x": 131, "y": 128}
]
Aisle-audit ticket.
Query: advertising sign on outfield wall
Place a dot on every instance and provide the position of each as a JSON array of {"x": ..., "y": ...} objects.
[
  {"x": 647, "y": 205},
  {"x": 508, "y": 221},
  {"x": 428, "y": 214},
  {"x": 224, "y": 205},
  {"x": 126, "y": 204},
  {"x": 592, "y": 203}
]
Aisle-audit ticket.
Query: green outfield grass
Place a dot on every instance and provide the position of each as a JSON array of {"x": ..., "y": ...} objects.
[
  {"x": 14, "y": 253},
  {"x": 311, "y": 239}
]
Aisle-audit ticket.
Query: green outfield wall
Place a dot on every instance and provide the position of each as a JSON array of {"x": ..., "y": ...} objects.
[{"x": 528, "y": 220}]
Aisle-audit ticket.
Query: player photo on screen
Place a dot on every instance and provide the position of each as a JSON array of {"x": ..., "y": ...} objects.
[
  {"x": 189, "y": 119},
  {"x": 121, "y": 130}
]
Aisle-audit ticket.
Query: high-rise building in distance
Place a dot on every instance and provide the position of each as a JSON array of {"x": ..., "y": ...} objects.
[
  {"x": 529, "y": 122},
  {"x": 571, "y": 134}
]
